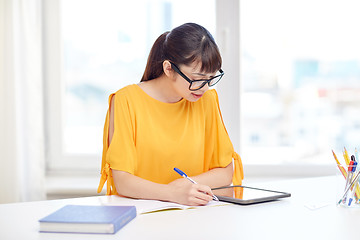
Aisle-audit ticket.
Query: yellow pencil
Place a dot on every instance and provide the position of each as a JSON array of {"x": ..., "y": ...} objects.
[
  {"x": 341, "y": 168},
  {"x": 346, "y": 157}
]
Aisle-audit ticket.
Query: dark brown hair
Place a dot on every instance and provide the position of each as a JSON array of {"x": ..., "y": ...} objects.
[{"x": 185, "y": 44}]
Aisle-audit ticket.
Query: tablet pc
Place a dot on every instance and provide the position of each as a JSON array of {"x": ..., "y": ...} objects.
[{"x": 247, "y": 195}]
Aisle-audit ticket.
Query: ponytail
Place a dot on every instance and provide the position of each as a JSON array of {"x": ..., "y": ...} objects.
[{"x": 156, "y": 57}]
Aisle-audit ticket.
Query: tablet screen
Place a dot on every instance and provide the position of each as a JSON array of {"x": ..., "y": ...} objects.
[{"x": 247, "y": 195}]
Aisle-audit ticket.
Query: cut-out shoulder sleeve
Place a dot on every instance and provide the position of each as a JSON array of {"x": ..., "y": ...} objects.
[
  {"x": 106, "y": 175},
  {"x": 119, "y": 151},
  {"x": 219, "y": 143}
]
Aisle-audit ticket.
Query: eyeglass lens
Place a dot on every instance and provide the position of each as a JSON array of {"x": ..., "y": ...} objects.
[{"x": 199, "y": 84}]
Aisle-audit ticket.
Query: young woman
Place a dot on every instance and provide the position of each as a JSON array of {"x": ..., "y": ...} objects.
[{"x": 169, "y": 120}]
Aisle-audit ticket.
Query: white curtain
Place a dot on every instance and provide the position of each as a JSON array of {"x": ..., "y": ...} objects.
[{"x": 22, "y": 151}]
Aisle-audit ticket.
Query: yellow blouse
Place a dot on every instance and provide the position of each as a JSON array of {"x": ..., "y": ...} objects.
[{"x": 152, "y": 137}]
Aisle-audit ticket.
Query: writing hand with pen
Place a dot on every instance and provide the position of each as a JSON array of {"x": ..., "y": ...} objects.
[{"x": 188, "y": 192}]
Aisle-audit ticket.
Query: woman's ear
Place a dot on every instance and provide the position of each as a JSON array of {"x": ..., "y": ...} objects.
[{"x": 167, "y": 68}]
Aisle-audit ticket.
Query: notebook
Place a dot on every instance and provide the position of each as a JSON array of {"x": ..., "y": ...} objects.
[{"x": 88, "y": 219}]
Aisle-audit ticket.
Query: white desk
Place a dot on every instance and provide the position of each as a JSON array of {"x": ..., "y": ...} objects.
[{"x": 284, "y": 219}]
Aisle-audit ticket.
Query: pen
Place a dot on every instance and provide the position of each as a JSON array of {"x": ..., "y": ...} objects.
[
  {"x": 348, "y": 179},
  {"x": 358, "y": 184},
  {"x": 181, "y": 173},
  {"x": 355, "y": 184}
]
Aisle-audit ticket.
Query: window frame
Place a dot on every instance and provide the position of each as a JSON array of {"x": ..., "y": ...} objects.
[{"x": 57, "y": 161}]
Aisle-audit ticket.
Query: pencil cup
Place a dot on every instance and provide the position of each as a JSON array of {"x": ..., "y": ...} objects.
[
  {"x": 349, "y": 188},
  {"x": 348, "y": 192}
]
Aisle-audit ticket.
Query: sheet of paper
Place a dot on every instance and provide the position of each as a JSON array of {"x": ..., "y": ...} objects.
[
  {"x": 315, "y": 206},
  {"x": 148, "y": 206}
]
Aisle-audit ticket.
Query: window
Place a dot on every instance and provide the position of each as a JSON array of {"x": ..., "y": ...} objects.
[
  {"x": 299, "y": 82},
  {"x": 300, "y": 79},
  {"x": 93, "y": 49}
]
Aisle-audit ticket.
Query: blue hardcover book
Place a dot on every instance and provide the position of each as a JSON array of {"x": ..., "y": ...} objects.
[{"x": 88, "y": 219}]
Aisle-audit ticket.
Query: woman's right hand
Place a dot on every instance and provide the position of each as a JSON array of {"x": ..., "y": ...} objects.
[{"x": 187, "y": 193}]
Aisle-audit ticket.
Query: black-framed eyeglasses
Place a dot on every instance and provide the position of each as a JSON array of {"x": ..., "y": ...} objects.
[{"x": 197, "y": 84}]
